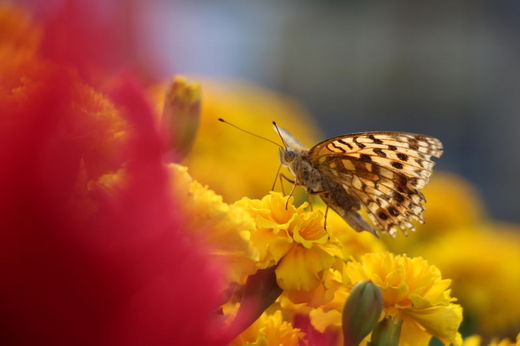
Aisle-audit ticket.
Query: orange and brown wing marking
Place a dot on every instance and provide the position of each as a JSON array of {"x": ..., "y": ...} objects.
[
  {"x": 412, "y": 145},
  {"x": 389, "y": 200},
  {"x": 384, "y": 171}
]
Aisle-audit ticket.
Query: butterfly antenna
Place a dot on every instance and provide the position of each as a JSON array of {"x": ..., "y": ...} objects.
[
  {"x": 251, "y": 133},
  {"x": 280, "y": 134}
]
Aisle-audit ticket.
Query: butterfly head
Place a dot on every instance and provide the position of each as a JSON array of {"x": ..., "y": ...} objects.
[{"x": 287, "y": 156}]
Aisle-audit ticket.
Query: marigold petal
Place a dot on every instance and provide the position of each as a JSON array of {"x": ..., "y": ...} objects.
[
  {"x": 225, "y": 229},
  {"x": 308, "y": 230},
  {"x": 321, "y": 319},
  {"x": 301, "y": 268},
  {"x": 271, "y": 247},
  {"x": 439, "y": 321},
  {"x": 413, "y": 335}
]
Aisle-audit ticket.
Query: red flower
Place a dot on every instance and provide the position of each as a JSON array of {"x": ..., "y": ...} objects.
[{"x": 81, "y": 264}]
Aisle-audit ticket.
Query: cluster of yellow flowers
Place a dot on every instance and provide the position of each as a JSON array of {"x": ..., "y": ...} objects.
[
  {"x": 314, "y": 267},
  {"x": 317, "y": 268},
  {"x": 480, "y": 255}
]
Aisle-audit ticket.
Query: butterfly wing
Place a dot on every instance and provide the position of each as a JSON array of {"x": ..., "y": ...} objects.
[
  {"x": 383, "y": 170},
  {"x": 288, "y": 139}
]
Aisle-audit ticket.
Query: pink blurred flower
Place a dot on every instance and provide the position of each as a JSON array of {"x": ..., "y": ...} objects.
[{"x": 82, "y": 264}]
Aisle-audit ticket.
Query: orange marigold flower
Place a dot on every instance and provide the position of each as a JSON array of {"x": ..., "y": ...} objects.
[
  {"x": 270, "y": 329},
  {"x": 453, "y": 203},
  {"x": 222, "y": 154},
  {"x": 414, "y": 292},
  {"x": 291, "y": 239},
  {"x": 226, "y": 229},
  {"x": 480, "y": 277},
  {"x": 476, "y": 340}
]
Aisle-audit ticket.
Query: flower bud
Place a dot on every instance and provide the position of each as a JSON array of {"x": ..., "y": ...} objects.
[
  {"x": 361, "y": 312},
  {"x": 181, "y": 115},
  {"x": 387, "y": 332}
]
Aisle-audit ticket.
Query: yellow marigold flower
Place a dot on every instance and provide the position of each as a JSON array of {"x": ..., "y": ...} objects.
[
  {"x": 323, "y": 304},
  {"x": 414, "y": 292},
  {"x": 483, "y": 263},
  {"x": 473, "y": 340},
  {"x": 327, "y": 313},
  {"x": 225, "y": 228},
  {"x": 452, "y": 202},
  {"x": 270, "y": 329},
  {"x": 222, "y": 154},
  {"x": 292, "y": 239},
  {"x": 476, "y": 340},
  {"x": 353, "y": 243}
]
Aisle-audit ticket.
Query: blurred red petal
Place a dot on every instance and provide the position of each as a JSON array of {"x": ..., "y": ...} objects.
[
  {"x": 313, "y": 336},
  {"x": 124, "y": 274}
]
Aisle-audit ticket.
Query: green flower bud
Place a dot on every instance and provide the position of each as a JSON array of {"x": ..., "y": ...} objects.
[
  {"x": 387, "y": 332},
  {"x": 361, "y": 312},
  {"x": 181, "y": 115}
]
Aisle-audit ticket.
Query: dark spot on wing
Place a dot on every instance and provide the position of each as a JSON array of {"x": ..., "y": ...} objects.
[
  {"x": 360, "y": 145},
  {"x": 365, "y": 158},
  {"x": 382, "y": 215},
  {"x": 379, "y": 152},
  {"x": 397, "y": 165},
  {"x": 375, "y": 140},
  {"x": 392, "y": 147},
  {"x": 345, "y": 143},
  {"x": 402, "y": 156},
  {"x": 398, "y": 197},
  {"x": 393, "y": 211},
  {"x": 338, "y": 147},
  {"x": 400, "y": 181}
]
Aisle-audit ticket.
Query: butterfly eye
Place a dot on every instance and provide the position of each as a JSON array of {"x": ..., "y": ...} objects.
[{"x": 287, "y": 156}]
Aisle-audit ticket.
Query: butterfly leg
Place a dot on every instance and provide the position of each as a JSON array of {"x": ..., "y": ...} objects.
[
  {"x": 281, "y": 184},
  {"x": 290, "y": 195},
  {"x": 325, "y": 220},
  {"x": 281, "y": 175}
]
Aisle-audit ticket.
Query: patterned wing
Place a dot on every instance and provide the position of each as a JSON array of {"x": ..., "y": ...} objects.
[{"x": 384, "y": 170}]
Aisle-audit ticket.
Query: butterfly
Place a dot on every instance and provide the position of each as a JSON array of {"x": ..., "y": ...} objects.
[{"x": 381, "y": 172}]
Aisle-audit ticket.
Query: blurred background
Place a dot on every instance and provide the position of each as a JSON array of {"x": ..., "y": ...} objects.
[{"x": 447, "y": 69}]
